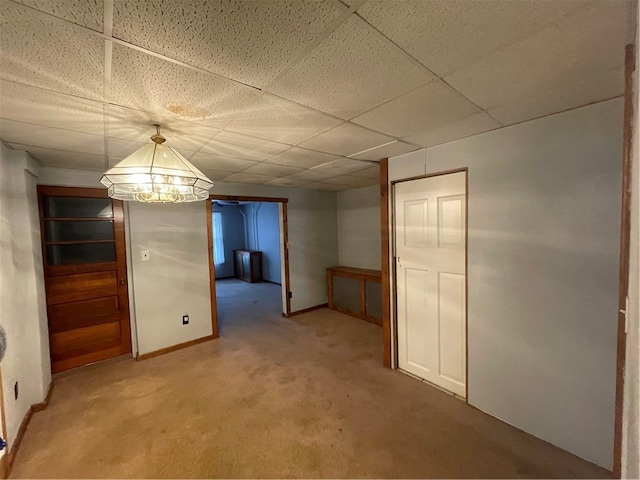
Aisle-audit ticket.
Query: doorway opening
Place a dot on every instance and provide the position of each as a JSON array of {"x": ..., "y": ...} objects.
[
  {"x": 248, "y": 254},
  {"x": 430, "y": 279}
]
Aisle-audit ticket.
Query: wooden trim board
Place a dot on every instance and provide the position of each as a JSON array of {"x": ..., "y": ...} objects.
[
  {"x": 173, "y": 348},
  {"x": 384, "y": 267},
  {"x": 306, "y": 310},
  {"x": 10, "y": 455},
  {"x": 625, "y": 235}
]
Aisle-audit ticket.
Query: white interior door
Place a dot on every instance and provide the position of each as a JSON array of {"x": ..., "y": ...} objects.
[{"x": 430, "y": 229}]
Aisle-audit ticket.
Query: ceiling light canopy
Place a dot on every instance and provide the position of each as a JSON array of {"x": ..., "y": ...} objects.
[{"x": 156, "y": 173}]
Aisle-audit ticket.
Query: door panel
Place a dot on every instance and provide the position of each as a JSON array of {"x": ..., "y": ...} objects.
[
  {"x": 85, "y": 275},
  {"x": 430, "y": 230}
]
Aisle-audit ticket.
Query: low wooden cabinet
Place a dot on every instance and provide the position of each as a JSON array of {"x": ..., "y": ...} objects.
[
  {"x": 356, "y": 292},
  {"x": 247, "y": 265}
]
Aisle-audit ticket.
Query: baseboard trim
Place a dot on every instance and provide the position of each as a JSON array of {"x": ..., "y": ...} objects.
[
  {"x": 38, "y": 407},
  {"x": 7, "y": 460},
  {"x": 173, "y": 348},
  {"x": 305, "y": 310}
]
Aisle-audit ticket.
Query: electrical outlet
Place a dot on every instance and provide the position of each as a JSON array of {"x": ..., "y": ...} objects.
[
  {"x": 290, "y": 294},
  {"x": 185, "y": 319},
  {"x": 15, "y": 391}
]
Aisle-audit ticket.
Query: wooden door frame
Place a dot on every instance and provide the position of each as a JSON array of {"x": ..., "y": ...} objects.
[
  {"x": 212, "y": 273},
  {"x": 121, "y": 256},
  {"x": 389, "y": 320},
  {"x": 625, "y": 237}
]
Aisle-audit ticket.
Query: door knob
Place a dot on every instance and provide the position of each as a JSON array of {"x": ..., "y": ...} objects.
[{"x": 122, "y": 281}]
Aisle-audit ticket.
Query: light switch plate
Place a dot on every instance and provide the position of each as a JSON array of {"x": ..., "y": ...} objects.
[{"x": 144, "y": 255}]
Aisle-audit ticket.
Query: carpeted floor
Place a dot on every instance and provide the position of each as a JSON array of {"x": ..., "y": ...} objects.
[{"x": 304, "y": 397}]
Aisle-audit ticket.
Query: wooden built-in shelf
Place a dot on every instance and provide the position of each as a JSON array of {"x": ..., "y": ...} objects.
[{"x": 356, "y": 292}]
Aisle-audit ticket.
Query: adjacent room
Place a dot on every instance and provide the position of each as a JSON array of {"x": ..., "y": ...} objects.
[{"x": 319, "y": 239}]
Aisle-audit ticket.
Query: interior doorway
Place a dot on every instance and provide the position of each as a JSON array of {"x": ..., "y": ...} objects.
[
  {"x": 430, "y": 279},
  {"x": 248, "y": 253}
]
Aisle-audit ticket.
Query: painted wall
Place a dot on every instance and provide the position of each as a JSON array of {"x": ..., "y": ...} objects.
[
  {"x": 175, "y": 281},
  {"x": 263, "y": 234},
  {"x": 22, "y": 299},
  {"x": 543, "y": 217},
  {"x": 233, "y": 230},
  {"x": 631, "y": 401},
  {"x": 359, "y": 227},
  {"x": 313, "y": 247}
]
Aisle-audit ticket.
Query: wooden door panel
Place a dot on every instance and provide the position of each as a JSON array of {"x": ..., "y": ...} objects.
[
  {"x": 67, "y": 316},
  {"x": 87, "y": 298},
  {"x": 84, "y": 286}
]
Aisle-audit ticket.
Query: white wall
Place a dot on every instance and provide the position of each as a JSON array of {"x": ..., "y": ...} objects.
[
  {"x": 175, "y": 280},
  {"x": 543, "y": 217},
  {"x": 313, "y": 247},
  {"x": 22, "y": 300},
  {"x": 263, "y": 230},
  {"x": 359, "y": 227}
]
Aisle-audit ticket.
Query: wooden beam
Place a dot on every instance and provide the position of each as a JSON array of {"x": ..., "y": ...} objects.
[{"x": 384, "y": 267}]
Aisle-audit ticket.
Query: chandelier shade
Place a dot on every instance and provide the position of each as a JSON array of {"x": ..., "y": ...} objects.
[{"x": 156, "y": 173}]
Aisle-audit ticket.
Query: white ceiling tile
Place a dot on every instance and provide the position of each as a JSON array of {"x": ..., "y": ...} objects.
[
  {"x": 249, "y": 178},
  {"x": 419, "y": 110},
  {"x": 151, "y": 84},
  {"x": 301, "y": 157},
  {"x": 120, "y": 148},
  {"x": 385, "y": 151},
  {"x": 591, "y": 90},
  {"x": 88, "y": 13},
  {"x": 48, "y": 137},
  {"x": 229, "y": 144},
  {"x": 137, "y": 126},
  {"x": 372, "y": 172},
  {"x": 449, "y": 35},
  {"x": 272, "y": 169},
  {"x": 342, "y": 166},
  {"x": 472, "y": 125},
  {"x": 351, "y": 181},
  {"x": 63, "y": 159},
  {"x": 589, "y": 43},
  {"x": 249, "y": 41},
  {"x": 346, "y": 139},
  {"x": 207, "y": 161},
  {"x": 215, "y": 174},
  {"x": 352, "y": 70},
  {"x": 280, "y": 120},
  {"x": 327, "y": 187},
  {"x": 286, "y": 182},
  {"x": 312, "y": 175},
  {"x": 28, "y": 104},
  {"x": 41, "y": 51}
]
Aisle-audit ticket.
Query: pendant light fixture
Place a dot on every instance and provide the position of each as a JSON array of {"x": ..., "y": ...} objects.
[{"x": 156, "y": 173}]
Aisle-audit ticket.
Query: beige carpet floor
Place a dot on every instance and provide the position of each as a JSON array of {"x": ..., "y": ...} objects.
[{"x": 305, "y": 397}]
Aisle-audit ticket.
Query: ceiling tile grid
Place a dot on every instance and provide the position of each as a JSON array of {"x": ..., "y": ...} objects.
[
  {"x": 428, "y": 106},
  {"x": 87, "y": 13},
  {"x": 472, "y": 125},
  {"x": 581, "y": 46},
  {"x": 424, "y": 27},
  {"x": 346, "y": 139},
  {"x": 24, "y": 103},
  {"x": 351, "y": 71},
  {"x": 152, "y": 84},
  {"x": 250, "y": 41},
  {"x": 337, "y": 85},
  {"x": 40, "y": 50}
]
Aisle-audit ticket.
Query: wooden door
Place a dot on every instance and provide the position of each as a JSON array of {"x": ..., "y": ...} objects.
[
  {"x": 85, "y": 273},
  {"x": 430, "y": 231}
]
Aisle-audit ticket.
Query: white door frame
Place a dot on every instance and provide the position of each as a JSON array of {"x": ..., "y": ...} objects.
[{"x": 392, "y": 255}]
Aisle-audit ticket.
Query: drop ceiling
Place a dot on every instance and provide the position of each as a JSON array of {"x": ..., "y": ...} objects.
[{"x": 307, "y": 94}]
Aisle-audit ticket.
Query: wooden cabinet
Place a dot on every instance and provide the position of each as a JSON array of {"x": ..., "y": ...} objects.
[
  {"x": 247, "y": 265},
  {"x": 356, "y": 292}
]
